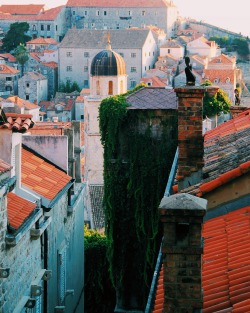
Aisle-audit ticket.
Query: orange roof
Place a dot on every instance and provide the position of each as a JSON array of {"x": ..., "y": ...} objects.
[
  {"x": 6, "y": 69},
  {"x": 221, "y": 74},
  {"x": 8, "y": 56},
  {"x": 35, "y": 55},
  {"x": 18, "y": 122},
  {"x": 40, "y": 40},
  {"x": 51, "y": 64},
  {"x": 226, "y": 268},
  {"x": 18, "y": 209},
  {"x": 4, "y": 167},
  {"x": 42, "y": 177},
  {"x": 118, "y": 3},
  {"x": 222, "y": 59},
  {"x": 49, "y": 15},
  {"x": 155, "y": 81},
  {"x": 22, "y": 9},
  {"x": 22, "y": 103}
]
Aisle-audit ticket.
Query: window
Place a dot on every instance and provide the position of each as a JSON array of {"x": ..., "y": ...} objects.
[
  {"x": 149, "y": 54},
  {"x": 227, "y": 80},
  {"x": 27, "y": 97},
  {"x": 130, "y": 13},
  {"x": 97, "y": 87},
  {"x": 121, "y": 86},
  {"x": 86, "y": 83},
  {"x": 97, "y": 13},
  {"x": 110, "y": 87},
  {"x": 56, "y": 27},
  {"x": 117, "y": 26},
  {"x": 27, "y": 85},
  {"x": 132, "y": 84},
  {"x": 169, "y": 50},
  {"x": 216, "y": 80},
  {"x": 69, "y": 68},
  {"x": 92, "y": 25},
  {"x": 121, "y": 54},
  {"x": 85, "y": 13},
  {"x": 82, "y": 117},
  {"x": 8, "y": 79},
  {"x": 69, "y": 54},
  {"x": 143, "y": 13},
  {"x": 86, "y": 68},
  {"x": 104, "y": 12},
  {"x": 86, "y": 54},
  {"x": 34, "y": 27},
  {"x": 61, "y": 267},
  {"x": 74, "y": 13},
  {"x": 42, "y": 27},
  {"x": 133, "y": 55},
  {"x": 48, "y": 28},
  {"x": 133, "y": 69}
]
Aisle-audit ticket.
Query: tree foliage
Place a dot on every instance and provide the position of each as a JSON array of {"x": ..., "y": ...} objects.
[
  {"x": 21, "y": 55},
  {"x": 99, "y": 293},
  {"x": 15, "y": 36},
  {"x": 240, "y": 45},
  {"x": 69, "y": 87},
  {"x": 213, "y": 105}
]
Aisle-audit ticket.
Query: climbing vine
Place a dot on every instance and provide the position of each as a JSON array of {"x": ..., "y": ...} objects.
[{"x": 138, "y": 152}]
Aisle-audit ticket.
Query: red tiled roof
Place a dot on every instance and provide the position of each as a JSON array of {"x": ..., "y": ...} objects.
[
  {"x": 226, "y": 267},
  {"x": 18, "y": 122},
  {"x": 220, "y": 145},
  {"x": 118, "y": 3},
  {"x": 222, "y": 74},
  {"x": 51, "y": 64},
  {"x": 18, "y": 209},
  {"x": 8, "y": 56},
  {"x": 6, "y": 69},
  {"x": 49, "y": 15},
  {"x": 21, "y": 103},
  {"x": 4, "y": 167},
  {"x": 223, "y": 59},
  {"x": 40, "y": 40},
  {"x": 36, "y": 55},
  {"x": 41, "y": 176},
  {"x": 155, "y": 81},
  {"x": 23, "y": 9}
]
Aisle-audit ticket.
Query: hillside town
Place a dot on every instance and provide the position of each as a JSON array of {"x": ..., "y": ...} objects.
[{"x": 124, "y": 160}]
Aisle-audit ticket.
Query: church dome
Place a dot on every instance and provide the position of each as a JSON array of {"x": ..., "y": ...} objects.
[{"x": 108, "y": 63}]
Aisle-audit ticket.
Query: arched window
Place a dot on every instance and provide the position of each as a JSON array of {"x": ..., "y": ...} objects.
[
  {"x": 228, "y": 80},
  {"x": 110, "y": 87},
  {"x": 97, "y": 87},
  {"x": 121, "y": 86}
]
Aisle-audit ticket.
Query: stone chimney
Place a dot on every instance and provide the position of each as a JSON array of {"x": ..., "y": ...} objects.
[
  {"x": 190, "y": 137},
  {"x": 182, "y": 218}
]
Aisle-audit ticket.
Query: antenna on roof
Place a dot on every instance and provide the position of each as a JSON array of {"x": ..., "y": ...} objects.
[{"x": 108, "y": 47}]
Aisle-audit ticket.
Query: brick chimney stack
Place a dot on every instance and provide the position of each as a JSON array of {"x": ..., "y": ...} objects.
[
  {"x": 190, "y": 137},
  {"x": 182, "y": 217}
]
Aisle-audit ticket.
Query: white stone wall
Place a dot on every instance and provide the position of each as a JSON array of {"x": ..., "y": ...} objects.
[
  {"x": 177, "y": 53},
  {"x": 95, "y": 18},
  {"x": 199, "y": 47},
  {"x": 80, "y": 70},
  {"x": 36, "y": 91}
]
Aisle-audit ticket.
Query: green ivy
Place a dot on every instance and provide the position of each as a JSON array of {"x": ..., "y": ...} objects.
[
  {"x": 99, "y": 293},
  {"x": 137, "y": 161}
]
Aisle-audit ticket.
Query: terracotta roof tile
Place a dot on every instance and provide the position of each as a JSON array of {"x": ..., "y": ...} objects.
[
  {"x": 8, "y": 56},
  {"x": 226, "y": 267},
  {"x": 18, "y": 209},
  {"x": 6, "y": 69},
  {"x": 51, "y": 64},
  {"x": 24, "y": 9},
  {"x": 118, "y": 3},
  {"x": 41, "y": 40},
  {"x": 39, "y": 173},
  {"x": 4, "y": 167},
  {"x": 21, "y": 103},
  {"x": 17, "y": 122}
]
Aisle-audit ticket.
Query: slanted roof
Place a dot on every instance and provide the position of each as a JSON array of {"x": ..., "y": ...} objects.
[
  {"x": 41, "y": 176},
  {"x": 22, "y": 9},
  {"x": 171, "y": 44},
  {"x": 6, "y": 69},
  {"x": 35, "y": 76},
  {"x": 4, "y": 167},
  {"x": 97, "y": 39},
  {"x": 225, "y": 269},
  {"x": 8, "y": 56},
  {"x": 18, "y": 210},
  {"x": 41, "y": 40},
  {"x": 152, "y": 98},
  {"x": 226, "y": 154},
  {"x": 155, "y": 81},
  {"x": 119, "y": 3},
  {"x": 50, "y": 64},
  {"x": 17, "y": 122},
  {"x": 21, "y": 103}
]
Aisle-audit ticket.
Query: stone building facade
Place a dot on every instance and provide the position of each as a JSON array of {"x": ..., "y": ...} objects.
[
  {"x": 8, "y": 80},
  {"x": 102, "y": 15},
  {"x": 137, "y": 47},
  {"x": 33, "y": 86}
]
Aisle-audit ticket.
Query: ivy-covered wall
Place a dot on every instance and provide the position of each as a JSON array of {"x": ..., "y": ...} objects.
[{"x": 139, "y": 147}]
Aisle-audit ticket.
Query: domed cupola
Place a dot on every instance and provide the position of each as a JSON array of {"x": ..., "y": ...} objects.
[
  {"x": 108, "y": 75},
  {"x": 108, "y": 63}
]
